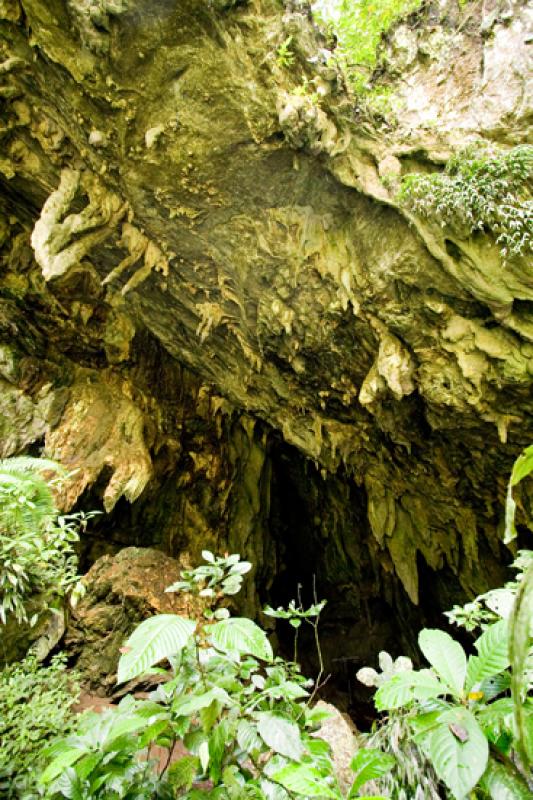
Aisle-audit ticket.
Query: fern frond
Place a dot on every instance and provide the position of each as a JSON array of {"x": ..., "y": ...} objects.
[
  {"x": 30, "y": 464},
  {"x": 21, "y": 476}
]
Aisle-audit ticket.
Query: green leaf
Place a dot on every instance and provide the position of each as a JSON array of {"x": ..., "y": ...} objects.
[
  {"x": 303, "y": 779},
  {"x": 280, "y": 734},
  {"x": 501, "y": 783},
  {"x": 459, "y": 764},
  {"x": 241, "y": 568},
  {"x": 404, "y": 687},
  {"x": 153, "y": 640},
  {"x": 209, "y": 715},
  {"x": 65, "y": 759},
  {"x": 247, "y": 737},
  {"x": 182, "y": 773},
  {"x": 496, "y": 718},
  {"x": 186, "y": 706},
  {"x": 495, "y": 685},
  {"x": 70, "y": 785},
  {"x": 241, "y": 635},
  {"x": 369, "y": 764},
  {"x": 423, "y": 723},
  {"x": 314, "y": 716},
  {"x": 85, "y": 766},
  {"x": 153, "y": 732},
  {"x": 522, "y": 467},
  {"x": 218, "y": 741},
  {"x": 446, "y": 656},
  {"x": 493, "y": 654}
]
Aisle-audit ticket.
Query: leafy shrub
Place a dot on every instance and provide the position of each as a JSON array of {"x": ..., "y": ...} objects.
[
  {"x": 36, "y": 544},
  {"x": 104, "y": 752},
  {"x": 455, "y": 709},
  {"x": 35, "y": 708},
  {"x": 243, "y": 714},
  {"x": 481, "y": 189}
]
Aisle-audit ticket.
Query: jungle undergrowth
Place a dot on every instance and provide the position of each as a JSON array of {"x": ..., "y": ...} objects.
[{"x": 244, "y": 715}]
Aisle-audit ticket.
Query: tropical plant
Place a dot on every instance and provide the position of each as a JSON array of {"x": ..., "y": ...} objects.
[
  {"x": 37, "y": 555},
  {"x": 521, "y": 623},
  {"x": 35, "y": 708},
  {"x": 412, "y": 776},
  {"x": 481, "y": 189},
  {"x": 472, "y": 718},
  {"x": 359, "y": 26},
  {"x": 242, "y": 714},
  {"x": 296, "y": 614},
  {"x": 101, "y": 758},
  {"x": 457, "y": 716},
  {"x": 284, "y": 54},
  {"x": 496, "y": 603}
]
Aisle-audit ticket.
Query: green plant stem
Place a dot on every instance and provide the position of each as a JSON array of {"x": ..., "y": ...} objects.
[
  {"x": 169, "y": 757},
  {"x": 519, "y": 648}
]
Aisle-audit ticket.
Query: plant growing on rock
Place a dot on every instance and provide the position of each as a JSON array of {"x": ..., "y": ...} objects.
[
  {"x": 37, "y": 555},
  {"x": 359, "y": 26},
  {"x": 481, "y": 189},
  {"x": 284, "y": 54},
  {"x": 242, "y": 714}
]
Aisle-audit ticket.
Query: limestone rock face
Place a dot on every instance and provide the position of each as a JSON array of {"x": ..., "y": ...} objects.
[{"x": 205, "y": 272}]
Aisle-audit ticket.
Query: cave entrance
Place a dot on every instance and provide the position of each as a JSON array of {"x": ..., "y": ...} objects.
[
  {"x": 312, "y": 538},
  {"x": 323, "y": 544}
]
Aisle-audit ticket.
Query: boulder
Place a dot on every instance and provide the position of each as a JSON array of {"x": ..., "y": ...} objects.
[
  {"x": 340, "y": 733},
  {"x": 122, "y": 590}
]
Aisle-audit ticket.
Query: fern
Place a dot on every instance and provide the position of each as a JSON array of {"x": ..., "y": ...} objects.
[
  {"x": 36, "y": 545},
  {"x": 26, "y": 499}
]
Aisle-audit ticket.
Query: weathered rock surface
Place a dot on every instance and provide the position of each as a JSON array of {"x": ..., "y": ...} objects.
[
  {"x": 201, "y": 259},
  {"x": 340, "y": 733},
  {"x": 121, "y": 592}
]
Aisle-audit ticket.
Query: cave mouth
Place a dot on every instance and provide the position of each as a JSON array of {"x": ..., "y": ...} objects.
[{"x": 325, "y": 550}]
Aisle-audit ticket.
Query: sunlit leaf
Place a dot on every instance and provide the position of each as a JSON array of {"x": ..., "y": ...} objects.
[
  {"x": 280, "y": 734},
  {"x": 446, "y": 656},
  {"x": 241, "y": 635},
  {"x": 459, "y": 764},
  {"x": 493, "y": 654},
  {"x": 153, "y": 640},
  {"x": 369, "y": 764},
  {"x": 302, "y": 779},
  {"x": 405, "y": 687}
]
